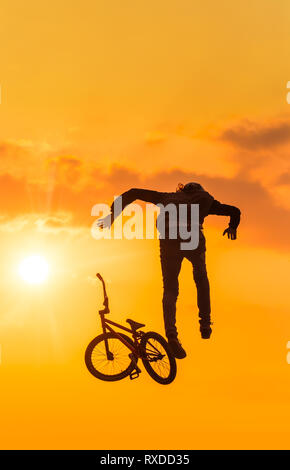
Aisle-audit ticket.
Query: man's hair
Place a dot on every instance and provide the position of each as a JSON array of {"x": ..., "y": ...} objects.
[{"x": 192, "y": 186}]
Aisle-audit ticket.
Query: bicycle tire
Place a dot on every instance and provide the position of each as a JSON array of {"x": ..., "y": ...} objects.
[
  {"x": 148, "y": 357},
  {"x": 97, "y": 373}
]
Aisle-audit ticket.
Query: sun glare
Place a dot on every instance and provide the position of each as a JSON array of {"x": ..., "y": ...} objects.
[{"x": 34, "y": 269}]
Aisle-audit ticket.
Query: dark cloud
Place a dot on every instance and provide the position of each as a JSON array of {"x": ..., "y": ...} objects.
[
  {"x": 117, "y": 180},
  {"x": 252, "y": 136}
]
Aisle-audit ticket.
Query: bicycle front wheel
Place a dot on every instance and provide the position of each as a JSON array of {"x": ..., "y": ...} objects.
[
  {"x": 157, "y": 358},
  {"x": 121, "y": 362}
]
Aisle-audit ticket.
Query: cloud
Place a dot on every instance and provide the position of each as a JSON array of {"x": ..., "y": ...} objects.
[
  {"x": 65, "y": 169},
  {"x": 22, "y": 158},
  {"x": 253, "y": 136},
  {"x": 11, "y": 150},
  {"x": 42, "y": 223},
  {"x": 13, "y": 225},
  {"x": 14, "y": 195},
  {"x": 40, "y": 163},
  {"x": 120, "y": 177},
  {"x": 53, "y": 223},
  {"x": 284, "y": 179},
  {"x": 263, "y": 222},
  {"x": 155, "y": 137},
  {"x": 13, "y": 157}
]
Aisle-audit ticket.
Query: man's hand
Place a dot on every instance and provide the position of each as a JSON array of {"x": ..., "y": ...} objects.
[
  {"x": 105, "y": 222},
  {"x": 232, "y": 233}
]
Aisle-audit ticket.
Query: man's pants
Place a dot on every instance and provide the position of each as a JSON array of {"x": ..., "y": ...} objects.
[{"x": 171, "y": 258}]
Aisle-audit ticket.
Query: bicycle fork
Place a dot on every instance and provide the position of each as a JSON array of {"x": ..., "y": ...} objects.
[{"x": 110, "y": 355}]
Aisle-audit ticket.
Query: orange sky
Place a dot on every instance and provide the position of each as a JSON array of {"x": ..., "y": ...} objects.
[{"x": 98, "y": 97}]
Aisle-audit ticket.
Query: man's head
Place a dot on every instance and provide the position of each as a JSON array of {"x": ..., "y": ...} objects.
[{"x": 190, "y": 187}]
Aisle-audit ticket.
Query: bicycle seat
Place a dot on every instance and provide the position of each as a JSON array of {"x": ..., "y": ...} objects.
[{"x": 134, "y": 325}]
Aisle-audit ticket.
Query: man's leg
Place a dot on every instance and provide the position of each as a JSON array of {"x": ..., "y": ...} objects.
[
  {"x": 203, "y": 292},
  {"x": 171, "y": 260}
]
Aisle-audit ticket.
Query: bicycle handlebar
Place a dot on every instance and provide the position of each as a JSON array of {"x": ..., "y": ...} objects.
[{"x": 106, "y": 299}]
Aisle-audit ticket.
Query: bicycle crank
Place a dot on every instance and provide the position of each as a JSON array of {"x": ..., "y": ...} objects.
[{"x": 136, "y": 372}]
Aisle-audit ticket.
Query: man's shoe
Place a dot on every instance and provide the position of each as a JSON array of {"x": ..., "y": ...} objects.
[
  {"x": 205, "y": 331},
  {"x": 176, "y": 348}
]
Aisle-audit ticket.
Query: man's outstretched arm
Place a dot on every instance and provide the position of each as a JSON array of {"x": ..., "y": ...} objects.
[
  {"x": 127, "y": 198},
  {"x": 233, "y": 212}
]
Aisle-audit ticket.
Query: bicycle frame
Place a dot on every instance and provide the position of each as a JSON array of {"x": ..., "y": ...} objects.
[{"x": 135, "y": 334}]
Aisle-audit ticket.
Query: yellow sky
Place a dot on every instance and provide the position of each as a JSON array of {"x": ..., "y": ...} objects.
[{"x": 98, "y": 97}]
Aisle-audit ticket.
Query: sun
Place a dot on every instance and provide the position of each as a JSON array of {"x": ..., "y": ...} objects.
[{"x": 34, "y": 269}]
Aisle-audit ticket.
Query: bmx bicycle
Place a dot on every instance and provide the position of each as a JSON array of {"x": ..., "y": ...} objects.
[{"x": 113, "y": 355}]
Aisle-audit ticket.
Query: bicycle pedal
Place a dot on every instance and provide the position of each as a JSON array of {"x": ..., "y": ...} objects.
[{"x": 135, "y": 374}]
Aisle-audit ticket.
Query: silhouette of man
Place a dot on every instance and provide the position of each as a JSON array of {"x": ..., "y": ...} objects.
[{"x": 171, "y": 254}]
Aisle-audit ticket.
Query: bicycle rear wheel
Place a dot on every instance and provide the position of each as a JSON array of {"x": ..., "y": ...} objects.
[
  {"x": 121, "y": 364},
  {"x": 157, "y": 358}
]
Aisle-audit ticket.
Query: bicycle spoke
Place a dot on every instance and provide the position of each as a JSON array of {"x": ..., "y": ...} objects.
[
  {"x": 158, "y": 358},
  {"x": 120, "y": 361}
]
